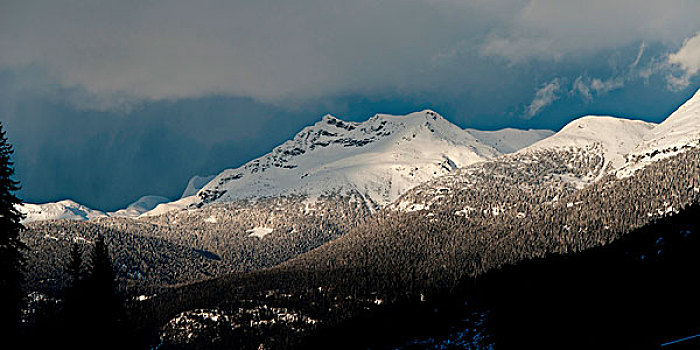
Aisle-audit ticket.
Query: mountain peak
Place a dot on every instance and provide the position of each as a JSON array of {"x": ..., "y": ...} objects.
[
  {"x": 377, "y": 159},
  {"x": 614, "y": 137}
]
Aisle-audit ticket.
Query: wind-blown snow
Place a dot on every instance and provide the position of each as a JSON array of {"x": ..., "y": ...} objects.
[
  {"x": 141, "y": 206},
  {"x": 195, "y": 184}
]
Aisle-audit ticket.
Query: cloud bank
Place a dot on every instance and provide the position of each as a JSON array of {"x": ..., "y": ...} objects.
[{"x": 281, "y": 51}]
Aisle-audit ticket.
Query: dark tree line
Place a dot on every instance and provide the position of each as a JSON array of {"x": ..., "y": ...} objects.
[{"x": 11, "y": 247}]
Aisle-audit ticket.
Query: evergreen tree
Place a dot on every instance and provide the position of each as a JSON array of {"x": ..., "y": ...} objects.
[
  {"x": 11, "y": 257},
  {"x": 74, "y": 308},
  {"x": 101, "y": 295},
  {"x": 75, "y": 265}
]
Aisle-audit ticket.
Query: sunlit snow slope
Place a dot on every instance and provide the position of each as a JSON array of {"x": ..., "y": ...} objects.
[{"x": 379, "y": 159}]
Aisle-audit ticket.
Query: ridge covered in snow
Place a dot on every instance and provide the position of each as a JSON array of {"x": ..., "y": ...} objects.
[
  {"x": 678, "y": 132},
  {"x": 65, "y": 209},
  {"x": 71, "y": 210},
  {"x": 379, "y": 159}
]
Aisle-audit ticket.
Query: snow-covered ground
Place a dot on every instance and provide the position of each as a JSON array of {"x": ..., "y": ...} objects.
[
  {"x": 142, "y": 205},
  {"x": 259, "y": 232}
]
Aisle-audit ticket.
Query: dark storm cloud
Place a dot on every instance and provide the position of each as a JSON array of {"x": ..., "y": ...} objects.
[{"x": 274, "y": 50}]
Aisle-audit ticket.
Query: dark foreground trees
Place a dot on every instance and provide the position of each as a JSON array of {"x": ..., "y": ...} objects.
[
  {"x": 91, "y": 313},
  {"x": 93, "y": 307},
  {"x": 11, "y": 294}
]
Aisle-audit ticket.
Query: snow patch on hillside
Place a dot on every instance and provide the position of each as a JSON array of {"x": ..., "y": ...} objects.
[
  {"x": 259, "y": 232},
  {"x": 180, "y": 204}
]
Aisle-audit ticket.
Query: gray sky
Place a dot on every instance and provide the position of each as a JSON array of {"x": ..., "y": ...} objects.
[{"x": 106, "y": 101}]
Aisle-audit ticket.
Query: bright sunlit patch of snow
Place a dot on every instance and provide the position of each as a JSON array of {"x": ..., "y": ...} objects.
[{"x": 259, "y": 232}]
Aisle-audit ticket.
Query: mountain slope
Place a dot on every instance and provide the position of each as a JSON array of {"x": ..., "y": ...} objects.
[
  {"x": 612, "y": 137},
  {"x": 378, "y": 159},
  {"x": 582, "y": 152},
  {"x": 677, "y": 133}
]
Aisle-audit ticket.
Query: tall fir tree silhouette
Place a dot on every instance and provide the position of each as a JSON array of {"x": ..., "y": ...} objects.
[
  {"x": 101, "y": 293},
  {"x": 75, "y": 265},
  {"x": 75, "y": 309},
  {"x": 11, "y": 247}
]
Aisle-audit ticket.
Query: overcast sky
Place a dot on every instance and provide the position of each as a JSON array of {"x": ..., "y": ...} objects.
[{"x": 106, "y": 101}]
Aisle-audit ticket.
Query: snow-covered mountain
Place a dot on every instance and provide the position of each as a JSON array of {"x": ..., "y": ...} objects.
[
  {"x": 379, "y": 159},
  {"x": 71, "y": 210},
  {"x": 583, "y": 152},
  {"x": 376, "y": 160},
  {"x": 611, "y": 137},
  {"x": 65, "y": 209}
]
